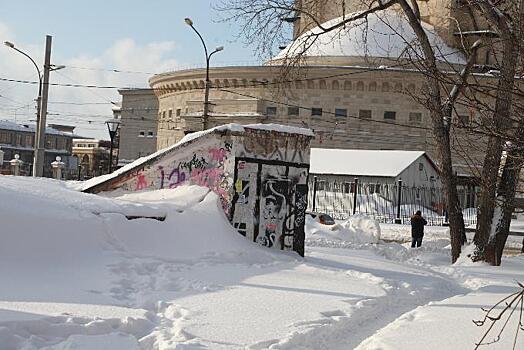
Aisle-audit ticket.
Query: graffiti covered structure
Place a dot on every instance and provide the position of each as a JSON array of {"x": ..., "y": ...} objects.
[{"x": 259, "y": 173}]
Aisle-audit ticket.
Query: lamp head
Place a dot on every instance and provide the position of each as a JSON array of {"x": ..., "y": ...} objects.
[
  {"x": 220, "y": 48},
  {"x": 188, "y": 21},
  {"x": 9, "y": 44}
]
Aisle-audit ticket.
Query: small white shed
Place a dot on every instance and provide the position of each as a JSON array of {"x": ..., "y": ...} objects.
[{"x": 415, "y": 168}]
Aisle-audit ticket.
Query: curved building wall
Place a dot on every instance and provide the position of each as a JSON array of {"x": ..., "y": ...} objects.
[{"x": 354, "y": 108}]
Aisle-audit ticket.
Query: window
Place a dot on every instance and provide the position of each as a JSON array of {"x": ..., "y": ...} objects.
[
  {"x": 316, "y": 111},
  {"x": 18, "y": 140},
  {"x": 164, "y": 115},
  {"x": 463, "y": 119},
  {"x": 415, "y": 117},
  {"x": 5, "y": 137},
  {"x": 341, "y": 112},
  {"x": 390, "y": 115},
  {"x": 271, "y": 111},
  {"x": 420, "y": 166},
  {"x": 170, "y": 114},
  {"x": 178, "y": 112},
  {"x": 29, "y": 140},
  {"x": 321, "y": 185},
  {"x": 142, "y": 133},
  {"x": 364, "y": 114},
  {"x": 150, "y": 133},
  {"x": 292, "y": 111}
]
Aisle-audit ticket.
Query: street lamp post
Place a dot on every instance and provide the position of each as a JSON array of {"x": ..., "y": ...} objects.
[
  {"x": 38, "y": 102},
  {"x": 112, "y": 127},
  {"x": 205, "y": 121},
  {"x": 41, "y": 104}
]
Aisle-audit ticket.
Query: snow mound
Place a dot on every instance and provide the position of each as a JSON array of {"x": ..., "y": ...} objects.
[{"x": 359, "y": 229}]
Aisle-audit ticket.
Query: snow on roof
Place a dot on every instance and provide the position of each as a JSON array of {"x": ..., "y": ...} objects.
[
  {"x": 227, "y": 127},
  {"x": 385, "y": 34},
  {"x": 361, "y": 162},
  {"x": 8, "y": 125}
]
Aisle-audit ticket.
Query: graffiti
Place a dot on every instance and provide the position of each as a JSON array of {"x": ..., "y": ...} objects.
[
  {"x": 274, "y": 193},
  {"x": 141, "y": 182},
  {"x": 162, "y": 175},
  {"x": 176, "y": 177},
  {"x": 194, "y": 163}
]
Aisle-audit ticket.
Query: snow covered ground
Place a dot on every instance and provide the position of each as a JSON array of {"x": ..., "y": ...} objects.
[{"x": 76, "y": 274}]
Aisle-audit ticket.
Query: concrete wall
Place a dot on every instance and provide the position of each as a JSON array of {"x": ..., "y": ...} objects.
[{"x": 260, "y": 177}]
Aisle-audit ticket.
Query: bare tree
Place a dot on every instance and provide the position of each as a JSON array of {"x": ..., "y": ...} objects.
[{"x": 262, "y": 19}]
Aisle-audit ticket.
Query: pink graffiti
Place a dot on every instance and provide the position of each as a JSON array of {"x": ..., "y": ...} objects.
[
  {"x": 141, "y": 182},
  {"x": 218, "y": 154}
]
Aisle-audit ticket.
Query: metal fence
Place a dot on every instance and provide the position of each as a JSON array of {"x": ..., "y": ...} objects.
[{"x": 386, "y": 202}]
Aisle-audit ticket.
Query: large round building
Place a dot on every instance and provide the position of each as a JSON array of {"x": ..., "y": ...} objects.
[{"x": 356, "y": 87}]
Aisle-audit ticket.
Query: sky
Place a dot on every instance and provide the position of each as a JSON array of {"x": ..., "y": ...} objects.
[{"x": 92, "y": 38}]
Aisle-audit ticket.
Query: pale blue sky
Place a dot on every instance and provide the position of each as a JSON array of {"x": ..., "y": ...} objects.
[
  {"x": 145, "y": 36},
  {"x": 81, "y": 27}
]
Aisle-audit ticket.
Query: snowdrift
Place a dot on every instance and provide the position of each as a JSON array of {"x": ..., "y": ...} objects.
[{"x": 359, "y": 229}]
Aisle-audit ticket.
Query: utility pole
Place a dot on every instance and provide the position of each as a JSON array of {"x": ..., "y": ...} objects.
[{"x": 38, "y": 167}]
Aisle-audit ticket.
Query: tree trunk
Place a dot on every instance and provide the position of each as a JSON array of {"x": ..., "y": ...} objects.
[
  {"x": 505, "y": 205},
  {"x": 449, "y": 182}
]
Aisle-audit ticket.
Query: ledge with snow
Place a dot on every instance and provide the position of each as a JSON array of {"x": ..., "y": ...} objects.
[{"x": 259, "y": 172}]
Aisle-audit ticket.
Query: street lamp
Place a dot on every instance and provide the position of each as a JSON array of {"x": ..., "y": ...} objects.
[
  {"x": 189, "y": 22},
  {"x": 38, "y": 101},
  {"x": 112, "y": 127},
  {"x": 41, "y": 103}
]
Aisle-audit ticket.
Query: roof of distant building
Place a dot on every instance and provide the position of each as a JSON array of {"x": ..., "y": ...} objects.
[
  {"x": 9, "y": 125},
  {"x": 357, "y": 162}
]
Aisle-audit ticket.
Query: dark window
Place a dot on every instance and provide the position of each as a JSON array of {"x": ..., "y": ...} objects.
[
  {"x": 390, "y": 115},
  {"x": 178, "y": 112},
  {"x": 316, "y": 111},
  {"x": 142, "y": 133},
  {"x": 170, "y": 114},
  {"x": 164, "y": 115},
  {"x": 415, "y": 117},
  {"x": 150, "y": 133},
  {"x": 271, "y": 110},
  {"x": 321, "y": 185},
  {"x": 341, "y": 112},
  {"x": 364, "y": 113},
  {"x": 463, "y": 119},
  {"x": 292, "y": 111}
]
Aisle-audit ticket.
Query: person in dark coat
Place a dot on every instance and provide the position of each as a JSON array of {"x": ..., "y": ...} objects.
[{"x": 417, "y": 229}]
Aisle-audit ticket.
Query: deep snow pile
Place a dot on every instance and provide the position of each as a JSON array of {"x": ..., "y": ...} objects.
[
  {"x": 76, "y": 274},
  {"x": 357, "y": 229}
]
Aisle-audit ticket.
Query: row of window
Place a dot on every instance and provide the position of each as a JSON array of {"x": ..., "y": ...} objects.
[
  {"x": 142, "y": 133},
  {"x": 27, "y": 140},
  {"x": 162, "y": 115},
  {"x": 343, "y": 113}
]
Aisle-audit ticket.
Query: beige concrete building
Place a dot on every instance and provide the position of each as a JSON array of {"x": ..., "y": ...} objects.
[
  {"x": 138, "y": 127},
  {"x": 354, "y": 93}
]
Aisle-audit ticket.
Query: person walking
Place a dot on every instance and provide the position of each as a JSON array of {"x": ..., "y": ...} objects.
[{"x": 417, "y": 229}]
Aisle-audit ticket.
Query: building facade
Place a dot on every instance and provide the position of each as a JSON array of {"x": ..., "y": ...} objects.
[
  {"x": 353, "y": 94},
  {"x": 138, "y": 127},
  {"x": 92, "y": 156},
  {"x": 19, "y": 139}
]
